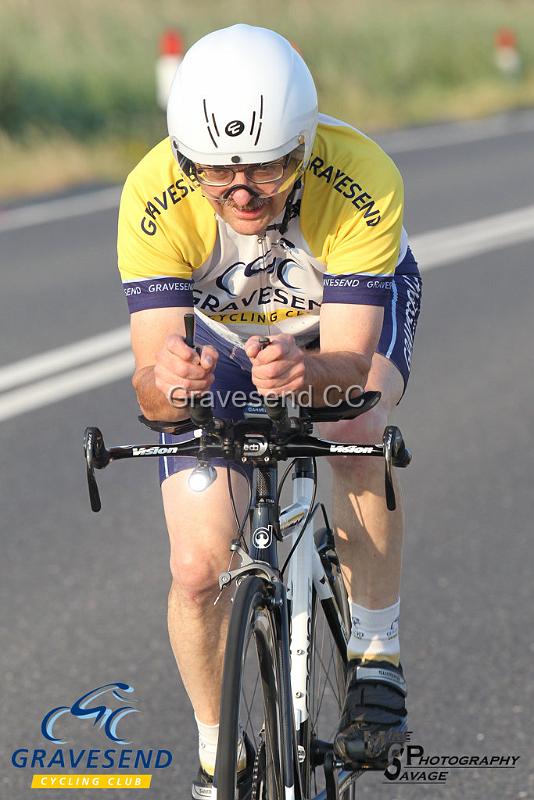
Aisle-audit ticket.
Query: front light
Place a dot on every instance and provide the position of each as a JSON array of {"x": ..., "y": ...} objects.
[{"x": 202, "y": 476}]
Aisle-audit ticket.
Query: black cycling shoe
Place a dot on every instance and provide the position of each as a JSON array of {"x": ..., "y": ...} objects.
[
  {"x": 203, "y": 783},
  {"x": 374, "y": 715}
]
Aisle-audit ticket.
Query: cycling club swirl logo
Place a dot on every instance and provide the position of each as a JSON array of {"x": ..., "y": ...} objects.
[
  {"x": 287, "y": 270},
  {"x": 82, "y": 708}
]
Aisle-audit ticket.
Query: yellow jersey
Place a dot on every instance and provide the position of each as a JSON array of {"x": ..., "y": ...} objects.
[{"x": 340, "y": 239}]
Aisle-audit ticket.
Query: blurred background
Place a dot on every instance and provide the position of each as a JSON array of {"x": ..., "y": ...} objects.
[{"x": 77, "y": 79}]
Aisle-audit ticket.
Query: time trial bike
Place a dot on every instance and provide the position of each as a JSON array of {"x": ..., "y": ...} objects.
[{"x": 285, "y": 664}]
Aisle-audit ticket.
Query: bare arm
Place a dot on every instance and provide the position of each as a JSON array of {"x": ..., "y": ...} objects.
[
  {"x": 349, "y": 336},
  {"x": 164, "y": 361}
]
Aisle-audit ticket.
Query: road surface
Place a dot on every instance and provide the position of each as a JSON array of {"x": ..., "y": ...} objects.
[{"x": 83, "y": 596}]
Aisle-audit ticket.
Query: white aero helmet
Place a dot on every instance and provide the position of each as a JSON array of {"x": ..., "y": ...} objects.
[{"x": 242, "y": 95}]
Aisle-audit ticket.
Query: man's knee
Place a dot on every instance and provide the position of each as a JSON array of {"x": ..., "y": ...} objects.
[
  {"x": 195, "y": 575},
  {"x": 200, "y": 531}
]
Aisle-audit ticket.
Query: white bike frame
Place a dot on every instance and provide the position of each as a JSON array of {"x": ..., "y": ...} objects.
[{"x": 305, "y": 571}]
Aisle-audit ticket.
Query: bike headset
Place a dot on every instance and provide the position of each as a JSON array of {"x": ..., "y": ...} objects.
[{"x": 272, "y": 114}]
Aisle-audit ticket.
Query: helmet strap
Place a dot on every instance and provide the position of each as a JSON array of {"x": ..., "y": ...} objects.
[{"x": 291, "y": 209}]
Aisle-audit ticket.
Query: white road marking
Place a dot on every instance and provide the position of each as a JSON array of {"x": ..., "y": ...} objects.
[
  {"x": 402, "y": 141},
  {"x": 54, "y": 210},
  {"x": 51, "y": 390},
  {"x": 453, "y": 133},
  {"x": 62, "y": 358},
  {"x": 433, "y": 249},
  {"x": 458, "y": 242}
]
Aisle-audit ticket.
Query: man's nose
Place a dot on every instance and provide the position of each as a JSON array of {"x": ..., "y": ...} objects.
[
  {"x": 244, "y": 189},
  {"x": 242, "y": 194}
]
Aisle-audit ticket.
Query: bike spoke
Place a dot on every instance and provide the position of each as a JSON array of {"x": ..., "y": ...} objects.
[
  {"x": 250, "y": 726},
  {"x": 327, "y": 682}
]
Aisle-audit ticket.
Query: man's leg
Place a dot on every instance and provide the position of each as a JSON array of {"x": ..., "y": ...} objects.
[
  {"x": 369, "y": 537},
  {"x": 201, "y": 527},
  {"x": 369, "y": 543}
]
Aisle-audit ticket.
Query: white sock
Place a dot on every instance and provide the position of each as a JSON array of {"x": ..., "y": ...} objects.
[
  {"x": 208, "y": 736},
  {"x": 375, "y": 633}
]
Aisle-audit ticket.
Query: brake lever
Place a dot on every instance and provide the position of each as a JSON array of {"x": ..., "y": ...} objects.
[
  {"x": 96, "y": 456},
  {"x": 388, "y": 447},
  {"x": 396, "y": 454}
]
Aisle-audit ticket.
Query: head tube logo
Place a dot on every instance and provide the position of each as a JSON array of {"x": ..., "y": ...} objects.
[
  {"x": 263, "y": 537},
  {"x": 90, "y": 707}
]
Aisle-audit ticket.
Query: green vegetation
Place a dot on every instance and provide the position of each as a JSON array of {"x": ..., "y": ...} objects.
[{"x": 77, "y": 98}]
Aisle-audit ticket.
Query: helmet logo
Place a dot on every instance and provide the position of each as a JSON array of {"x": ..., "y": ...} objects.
[{"x": 235, "y": 127}]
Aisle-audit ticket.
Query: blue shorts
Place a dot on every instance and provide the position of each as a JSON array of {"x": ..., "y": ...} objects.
[{"x": 232, "y": 373}]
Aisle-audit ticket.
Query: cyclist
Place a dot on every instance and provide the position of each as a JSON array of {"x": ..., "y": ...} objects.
[{"x": 271, "y": 219}]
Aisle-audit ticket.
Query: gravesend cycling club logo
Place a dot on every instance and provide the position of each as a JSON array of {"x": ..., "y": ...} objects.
[
  {"x": 84, "y": 709},
  {"x": 288, "y": 272},
  {"x": 106, "y": 709}
]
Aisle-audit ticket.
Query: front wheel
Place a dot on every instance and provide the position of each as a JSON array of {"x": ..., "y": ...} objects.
[{"x": 254, "y": 697}]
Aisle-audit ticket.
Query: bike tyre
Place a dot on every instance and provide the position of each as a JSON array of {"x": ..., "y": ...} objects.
[{"x": 253, "y": 633}]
